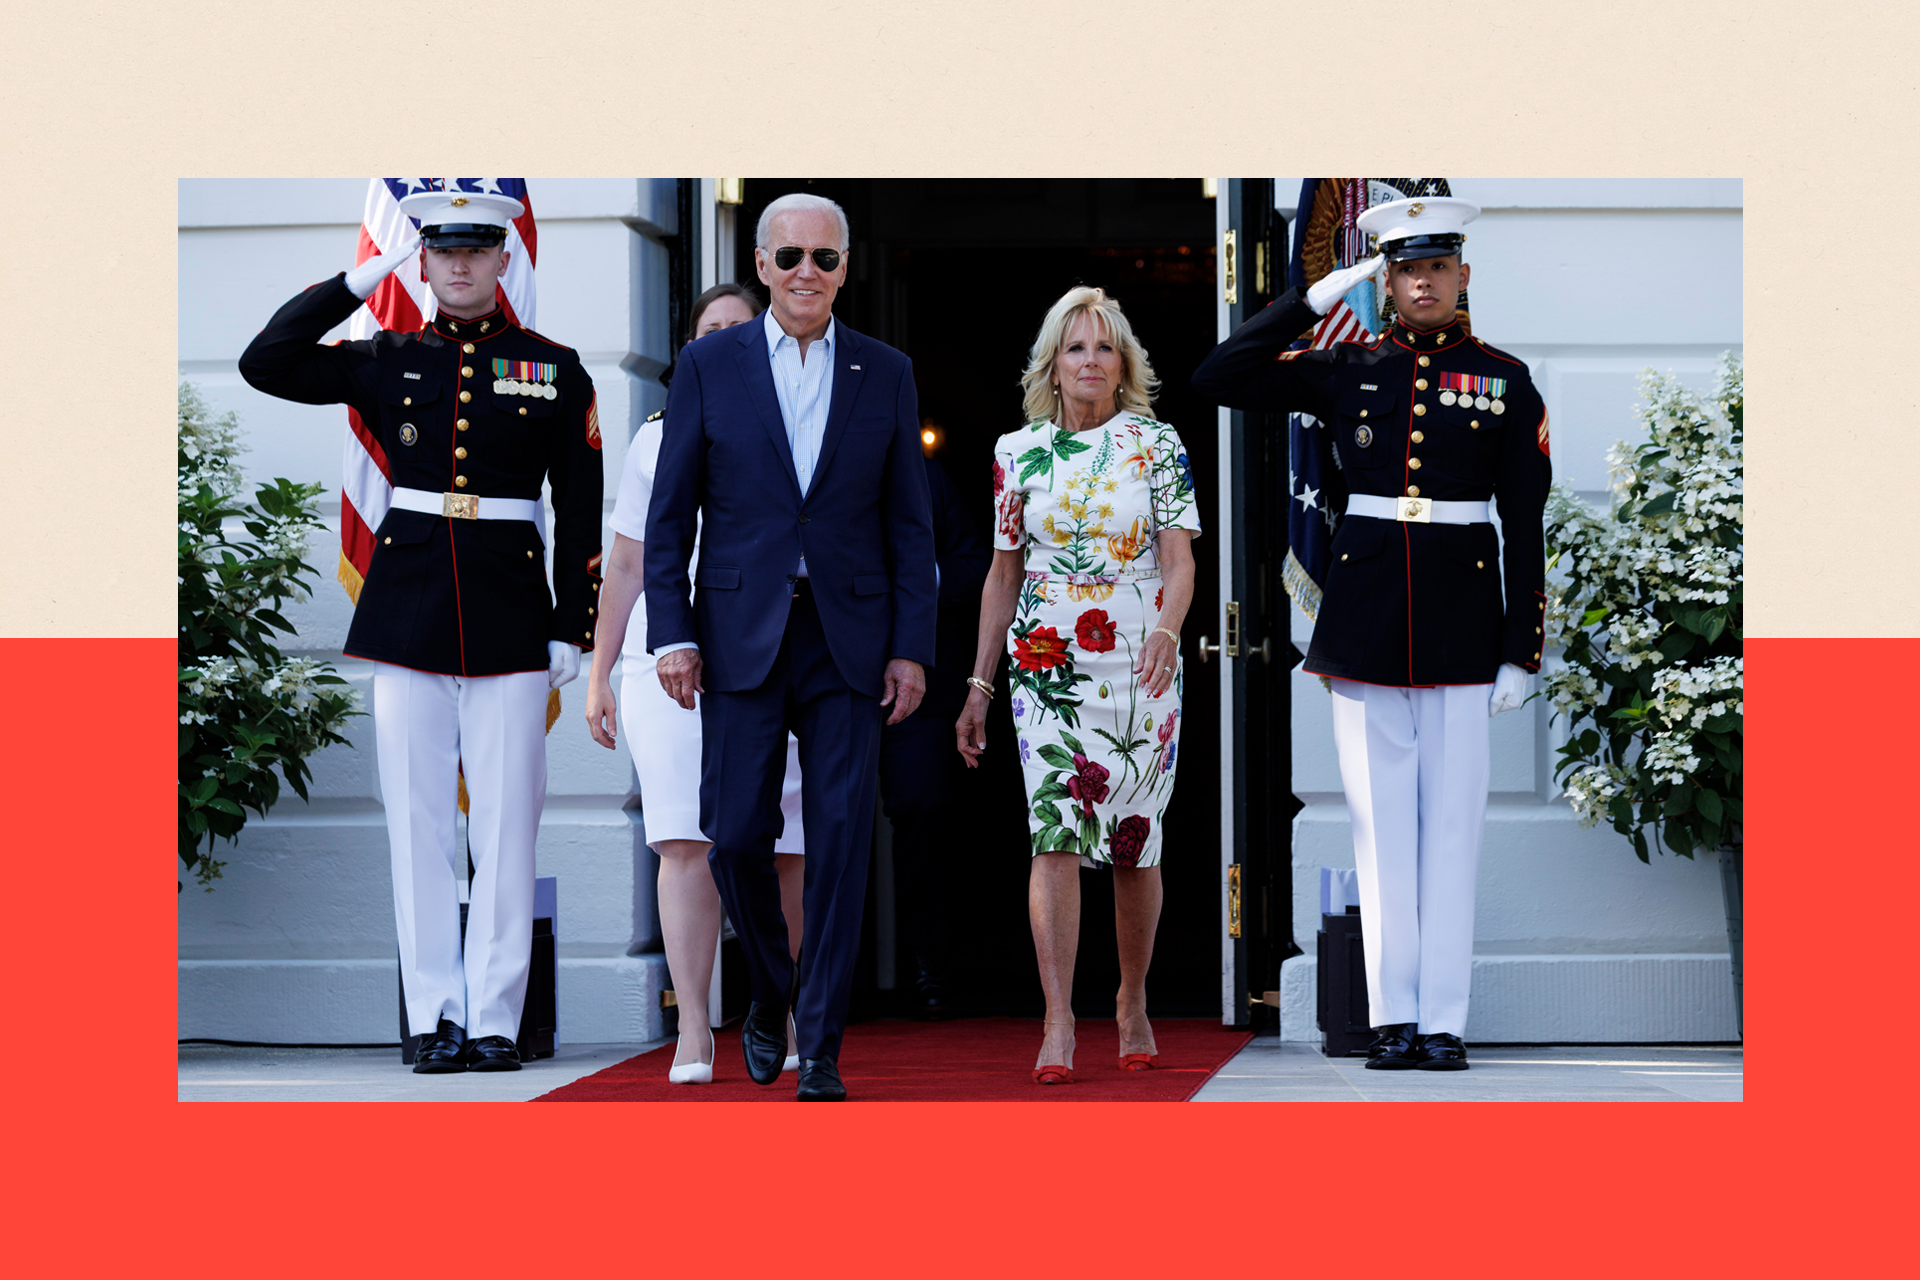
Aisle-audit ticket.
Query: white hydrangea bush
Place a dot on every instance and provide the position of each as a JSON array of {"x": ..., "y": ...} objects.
[
  {"x": 246, "y": 709},
  {"x": 1647, "y": 606}
]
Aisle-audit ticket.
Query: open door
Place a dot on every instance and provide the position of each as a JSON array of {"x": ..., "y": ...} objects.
[{"x": 1249, "y": 640}]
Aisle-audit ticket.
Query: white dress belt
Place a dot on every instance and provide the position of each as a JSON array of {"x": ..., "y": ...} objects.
[
  {"x": 1416, "y": 510},
  {"x": 464, "y": 506}
]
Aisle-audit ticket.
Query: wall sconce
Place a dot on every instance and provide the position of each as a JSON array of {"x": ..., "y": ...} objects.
[
  {"x": 729, "y": 190},
  {"x": 932, "y": 436}
]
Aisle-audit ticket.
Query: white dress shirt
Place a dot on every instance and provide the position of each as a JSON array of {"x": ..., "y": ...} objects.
[{"x": 805, "y": 391}]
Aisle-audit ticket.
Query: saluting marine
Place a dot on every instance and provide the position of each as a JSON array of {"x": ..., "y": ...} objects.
[
  {"x": 1427, "y": 426},
  {"x": 472, "y": 413}
]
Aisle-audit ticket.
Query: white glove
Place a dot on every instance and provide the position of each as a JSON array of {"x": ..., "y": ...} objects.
[
  {"x": 1333, "y": 286},
  {"x": 1509, "y": 689},
  {"x": 563, "y": 663},
  {"x": 366, "y": 277}
]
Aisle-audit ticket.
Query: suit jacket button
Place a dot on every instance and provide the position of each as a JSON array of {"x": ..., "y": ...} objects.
[
  {"x": 805, "y": 519},
  {"x": 793, "y": 577}
]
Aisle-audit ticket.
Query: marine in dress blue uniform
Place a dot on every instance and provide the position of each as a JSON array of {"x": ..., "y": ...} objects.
[
  {"x": 473, "y": 412},
  {"x": 1428, "y": 615}
]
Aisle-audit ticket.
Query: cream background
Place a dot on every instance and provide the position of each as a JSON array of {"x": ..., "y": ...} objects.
[{"x": 107, "y": 106}]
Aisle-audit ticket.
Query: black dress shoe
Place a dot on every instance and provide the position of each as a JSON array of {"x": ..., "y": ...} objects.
[
  {"x": 442, "y": 1052},
  {"x": 492, "y": 1053},
  {"x": 1393, "y": 1048},
  {"x": 929, "y": 992},
  {"x": 763, "y": 1041},
  {"x": 1442, "y": 1051},
  {"x": 820, "y": 1081}
]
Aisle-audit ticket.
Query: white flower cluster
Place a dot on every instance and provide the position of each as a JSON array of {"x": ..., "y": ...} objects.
[
  {"x": 1590, "y": 789},
  {"x": 208, "y": 447},
  {"x": 292, "y": 684},
  {"x": 1688, "y": 697}
]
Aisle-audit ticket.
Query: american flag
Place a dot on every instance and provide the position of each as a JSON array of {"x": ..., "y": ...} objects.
[{"x": 403, "y": 302}]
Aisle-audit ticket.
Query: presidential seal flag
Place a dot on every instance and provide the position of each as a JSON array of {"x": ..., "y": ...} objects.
[
  {"x": 1327, "y": 238},
  {"x": 403, "y": 302}
]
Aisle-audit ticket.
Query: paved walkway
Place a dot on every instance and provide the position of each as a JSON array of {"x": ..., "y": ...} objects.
[
  {"x": 1265, "y": 1071},
  {"x": 1273, "y": 1071}
]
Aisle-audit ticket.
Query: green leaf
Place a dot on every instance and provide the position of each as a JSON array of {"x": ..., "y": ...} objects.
[
  {"x": 1716, "y": 623},
  {"x": 1054, "y": 839},
  {"x": 1033, "y": 461},
  {"x": 1050, "y": 791},
  {"x": 1065, "y": 446},
  {"x": 225, "y": 805},
  {"x": 1592, "y": 616},
  {"x": 1049, "y": 814},
  {"x": 1056, "y": 757},
  {"x": 1679, "y": 800},
  {"x": 1662, "y": 505},
  {"x": 1073, "y": 743},
  {"x": 1709, "y": 804}
]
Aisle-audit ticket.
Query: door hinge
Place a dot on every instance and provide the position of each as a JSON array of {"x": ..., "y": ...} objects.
[{"x": 1233, "y": 900}]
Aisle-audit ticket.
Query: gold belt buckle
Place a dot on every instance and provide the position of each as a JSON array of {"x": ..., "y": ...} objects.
[
  {"x": 460, "y": 506},
  {"x": 1417, "y": 510}
]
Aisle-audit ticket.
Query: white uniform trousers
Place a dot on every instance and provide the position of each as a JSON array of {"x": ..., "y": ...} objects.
[
  {"x": 428, "y": 727},
  {"x": 1415, "y": 767}
]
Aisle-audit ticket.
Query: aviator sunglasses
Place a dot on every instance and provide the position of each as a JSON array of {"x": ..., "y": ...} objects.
[{"x": 788, "y": 258}]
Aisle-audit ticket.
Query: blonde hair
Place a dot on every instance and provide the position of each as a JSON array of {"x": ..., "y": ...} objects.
[{"x": 1137, "y": 381}]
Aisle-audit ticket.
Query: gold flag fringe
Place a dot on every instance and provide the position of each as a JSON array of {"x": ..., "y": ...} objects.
[
  {"x": 349, "y": 578},
  {"x": 1304, "y": 590}
]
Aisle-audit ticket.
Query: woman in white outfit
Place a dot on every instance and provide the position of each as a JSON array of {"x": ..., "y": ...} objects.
[{"x": 665, "y": 741}]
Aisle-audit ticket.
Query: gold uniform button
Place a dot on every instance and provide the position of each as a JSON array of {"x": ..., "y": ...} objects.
[
  {"x": 406, "y": 399},
  {"x": 460, "y": 425},
  {"x": 589, "y": 611},
  {"x": 1343, "y": 555},
  {"x": 389, "y": 541},
  {"x": 1419, "y": 409},
  {"x": 1536, "y": 631},
  {"x": 589, "y": 635},
  {"x": 1418, "y": 437},
  {"x": 529, "y": 555},
  {"x": 1413, "y": 464},
  {"x": 467, "y": 347},
  {"x": 1413, "y": 491},
  {"x": 1475, "y": 424},
  {"x": 465, "y": 396},
  {"x": 459, "y": 482},
  {"x": 1479, "y": 564},
  {"x": 466, "y": 371},
  {"x": 1363, "y": 413},
  {"x": 1424, "y": 362},
  {"x": 523, "y": 411},
  {"x": 460, "y": 452},
  {"x": 1419, "y": 384}
]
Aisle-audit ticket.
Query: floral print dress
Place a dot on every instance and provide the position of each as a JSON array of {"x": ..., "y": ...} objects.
[{"x": 1098, "y": 753}]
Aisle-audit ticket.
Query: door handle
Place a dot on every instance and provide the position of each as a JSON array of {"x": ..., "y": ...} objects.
[{"x": 1206, "y": 649}]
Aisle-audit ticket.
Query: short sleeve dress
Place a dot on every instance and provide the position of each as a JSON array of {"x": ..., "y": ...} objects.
[{"x": 1097, "y": 752}]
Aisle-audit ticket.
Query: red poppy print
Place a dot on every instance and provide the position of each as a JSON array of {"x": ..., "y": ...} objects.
[
  {"x": 1040, "y": 649},
  {"x": 1159, "y": 597},
  {"x": 1096, "y": 631}
]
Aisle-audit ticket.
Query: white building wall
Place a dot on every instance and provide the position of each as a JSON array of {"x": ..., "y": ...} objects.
[
  {"x": 1589, "y": 282},
  {"x": 296, "y": 944}
]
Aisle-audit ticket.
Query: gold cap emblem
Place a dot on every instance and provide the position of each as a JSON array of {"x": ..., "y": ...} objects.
[
  {"x": 1414, "y": 210},
  {"x": 458, "y": 201}
]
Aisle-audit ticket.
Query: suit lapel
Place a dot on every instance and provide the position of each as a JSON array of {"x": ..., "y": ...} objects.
[
  {"x": 758, "y": 371},
  {"x": 847, "y": 381}
]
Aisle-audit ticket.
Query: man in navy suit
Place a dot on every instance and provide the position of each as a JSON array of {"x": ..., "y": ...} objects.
[{"x": 792, "y": 447}]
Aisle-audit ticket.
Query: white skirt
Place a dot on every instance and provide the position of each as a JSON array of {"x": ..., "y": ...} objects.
[{"x": 664, "y": 738}]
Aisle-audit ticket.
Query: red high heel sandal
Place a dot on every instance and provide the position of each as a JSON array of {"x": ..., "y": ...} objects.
[
  {"x": 1139, "y": 1061},
  {"x": 1053, "y": 1073}
]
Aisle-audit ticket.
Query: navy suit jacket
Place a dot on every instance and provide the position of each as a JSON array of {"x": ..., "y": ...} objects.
[{"x": 864, "y": 528}]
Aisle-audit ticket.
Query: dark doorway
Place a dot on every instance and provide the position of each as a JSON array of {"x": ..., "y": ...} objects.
[{"x": 958, "y": 274}]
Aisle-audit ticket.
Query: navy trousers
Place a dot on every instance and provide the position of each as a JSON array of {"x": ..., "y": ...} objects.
[{"x": 743, "y": 759}]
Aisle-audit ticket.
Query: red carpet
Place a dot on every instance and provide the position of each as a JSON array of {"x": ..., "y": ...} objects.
[{"x": 969, "y": 1060}]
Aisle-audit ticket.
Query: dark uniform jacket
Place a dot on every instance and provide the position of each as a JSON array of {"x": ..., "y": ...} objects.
[
  {"x": 1405, "y": 603},
  {"x": 443, "y": 594}
]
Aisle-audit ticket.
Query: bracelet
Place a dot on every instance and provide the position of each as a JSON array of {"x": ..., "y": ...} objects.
[
  {"x": 1173, "y": 636},
  {"x": 982, "y": 686}
]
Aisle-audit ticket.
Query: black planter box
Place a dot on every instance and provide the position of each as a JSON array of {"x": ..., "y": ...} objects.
[
  {"x": 1341, "y": 986},
  {"x": 539, "y": 1017}
]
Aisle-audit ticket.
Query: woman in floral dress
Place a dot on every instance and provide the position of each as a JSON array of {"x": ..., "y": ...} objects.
[{"x": 1092, "y": 575}]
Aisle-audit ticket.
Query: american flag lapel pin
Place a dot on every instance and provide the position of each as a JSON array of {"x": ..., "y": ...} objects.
[{"x": 854, "y": 368}]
